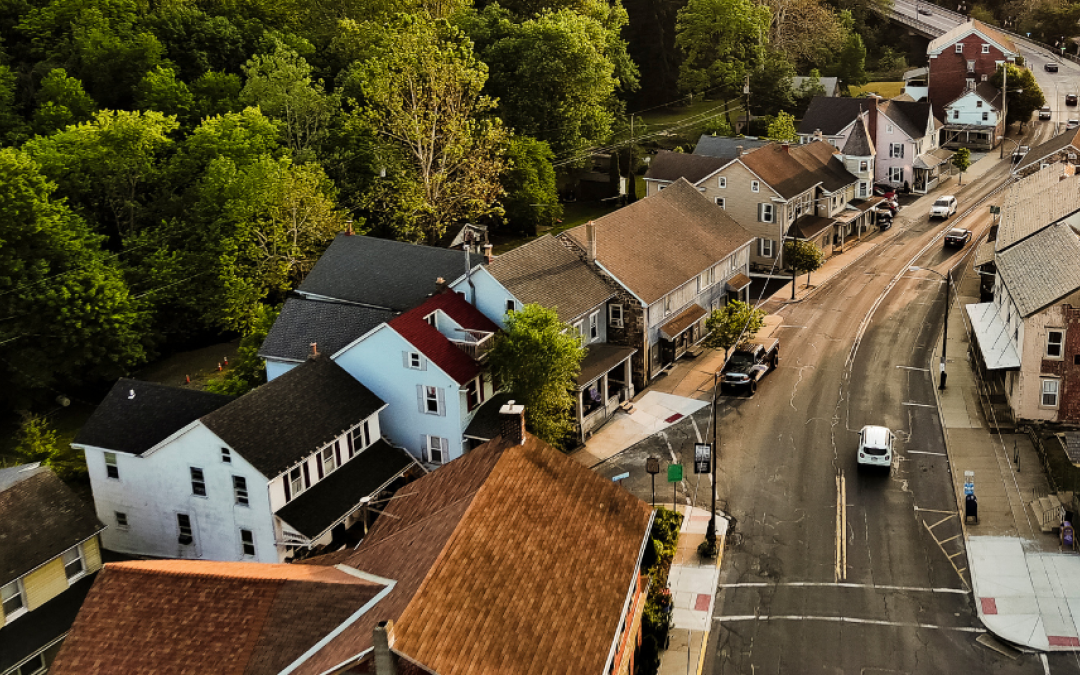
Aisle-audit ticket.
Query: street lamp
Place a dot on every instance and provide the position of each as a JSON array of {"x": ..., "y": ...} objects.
[{"x": 945, "y": 332}]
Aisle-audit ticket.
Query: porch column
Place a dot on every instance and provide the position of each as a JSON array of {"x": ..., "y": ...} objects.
[
  {"x": 604, "y": 390},
  {"x": 581, "y": 411}
]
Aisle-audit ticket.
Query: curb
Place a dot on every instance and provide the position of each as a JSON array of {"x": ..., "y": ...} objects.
[{"x": 708, "y": 630}]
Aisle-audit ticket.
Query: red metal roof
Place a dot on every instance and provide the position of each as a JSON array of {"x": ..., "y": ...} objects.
[{"x": 436, "y": 346}]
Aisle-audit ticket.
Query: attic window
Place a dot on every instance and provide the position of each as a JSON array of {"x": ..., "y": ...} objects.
[
  {"x": 721, "y": 182},
  {"x": 111, "y": 469},
  {"x": 986, "y": 49},
  {"x": 755, "y": 186},
  {"x": 226, "y": 456},
  {"x": 959, "y": 48}
]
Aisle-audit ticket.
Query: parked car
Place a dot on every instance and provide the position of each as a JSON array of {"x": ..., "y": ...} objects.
[
  {"x": 925, "y": 12},
  {"x": 958, "y": 236},
  {"x": 875, "y": 446},
  {"x": 751, "y": 361},
  {"x": 885, "y": 190},
  {"x": 943, "y": 207},
  {"x": 1044, "y": 112},
  {"x": 1051, "y": 67},
  {"x": 1070, "y": 99},
  {"x": 1072, "y": 124}
]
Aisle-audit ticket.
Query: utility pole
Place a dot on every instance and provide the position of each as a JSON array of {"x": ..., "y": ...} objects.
[
  {"x": 710, "y": 532},
  {"x": 746, "y": 90}
]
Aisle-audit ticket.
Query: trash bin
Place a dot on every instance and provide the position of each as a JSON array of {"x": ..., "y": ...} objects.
[{"x": 971, "y": 508}]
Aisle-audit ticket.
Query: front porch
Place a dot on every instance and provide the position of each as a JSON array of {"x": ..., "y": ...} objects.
[
  {"x": 680, "y": 334},
  {"x": 603, "y": 384},
  {"x": 929, "y": 169}
]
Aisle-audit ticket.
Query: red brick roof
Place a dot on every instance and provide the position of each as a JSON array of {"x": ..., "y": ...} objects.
[
  {"x": 433, "y": 344},
  {"x": 171, "y": 617}
]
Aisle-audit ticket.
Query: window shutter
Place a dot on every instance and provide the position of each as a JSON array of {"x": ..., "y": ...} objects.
[
  {"x": 318, "y": 464},
  {"x": 349, "y": 442},
  {"x": 337, "y": 449},
  {"x": 423, "y": 362},
  {"x": 420, "y": 398},
  {"x": 425, "y": 449},
  {"x": 307, "y": 476},
  {"x": 445, "y": 449},
  {"x": 405, "y": 359},
  {"x": 442, "y": 403},
  {"x": 480, "y": 390},
  {"x": 761, "y": 213},
  {"x": 285, "y": 482}
]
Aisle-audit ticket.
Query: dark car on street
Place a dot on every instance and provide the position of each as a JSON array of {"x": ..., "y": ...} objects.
[
  {"x": 1070, "y": 99},
  {"x": 750, "y": 362},
  {"x": 958, "y": 236},
  {"x": 1051, "y": 67},
  {"x": 1044, "y": 112}
]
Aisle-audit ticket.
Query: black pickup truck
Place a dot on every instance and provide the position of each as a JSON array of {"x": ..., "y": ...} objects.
[{"x": 751, "y": 361}]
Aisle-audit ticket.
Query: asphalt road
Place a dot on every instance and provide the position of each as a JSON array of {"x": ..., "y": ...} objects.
[{"x": 828, "y": 568}]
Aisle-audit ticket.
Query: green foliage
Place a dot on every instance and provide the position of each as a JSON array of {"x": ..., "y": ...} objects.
[
  {"x": 532, "y": 200},
  {"x": 802, "y": 256},
  {"x": 111, "y": 57},
  {"x": 771, "y": 85},
  {"x": 782, "y": 128},
  {"x": 216, "y": 93},
  {"x": 717, "y": 126},
  {"x": 11, "y": 124},
  {"x": 806, "y": 92},
  {"x": 537, "y": 359},
  {"x": 891, "y": 61},
  {"x": 734, "y": 322},
  {"x": 656, "y": 617},
  {"x": 249, "y": 370},
  {"x": 160, "y": 90},
  {"x": 721, "y": 40},
  {"x": 850, "y": 65},
  {"x": 422, "y": 93},
  {"x": 665, "y": 531},
  {"x": 961, "y": 159},
  {"x": 36, "y": 441},
  {"x": 68, "y": 314},
  {"x": 62, "y": 101},
  {"x": 1024, "y": 94}
]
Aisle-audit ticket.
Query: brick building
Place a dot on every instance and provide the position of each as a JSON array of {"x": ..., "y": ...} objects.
[{"x": 962, "y": 58}]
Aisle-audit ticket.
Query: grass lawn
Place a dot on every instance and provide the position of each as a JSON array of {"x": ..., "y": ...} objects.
[
  {"x": 885, "y": 89},
  {"x": 663, "y": 117},
  {"x": 574, "y": 214}
]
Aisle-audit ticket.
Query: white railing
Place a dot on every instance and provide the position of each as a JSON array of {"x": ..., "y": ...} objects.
[{"x": 475, "y": 343}]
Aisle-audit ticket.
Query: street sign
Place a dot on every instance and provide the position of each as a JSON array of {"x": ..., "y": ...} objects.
[
  {"x": 702, "y": 457},
  {"x": 674, "y": 473},
  {"x": 995, "y": 210},
  {"x": 621, "y": 476},
  {"x": 652, "y": 465}
]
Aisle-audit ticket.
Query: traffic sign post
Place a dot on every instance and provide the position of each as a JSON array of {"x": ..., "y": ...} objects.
[
  {"x": 674, "y": 475},
  {"x": 652, "y": 467},
  {"x": 702, "y": 457}
]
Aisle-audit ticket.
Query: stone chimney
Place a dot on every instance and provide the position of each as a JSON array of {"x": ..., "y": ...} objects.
[
  {"x": 738, "y": 151},
  {"x": 590, "y": 239},
  {"x": 817, "y": 135},
  {"x": 488, "y": 254},
  {"x": 384, "y": 639},
  {"x": 440, "y": 285},
  {"x": 512, "y": 423}
]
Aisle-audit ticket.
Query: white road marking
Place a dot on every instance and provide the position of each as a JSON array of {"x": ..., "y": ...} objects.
[
  {"x": 920, "y": 405},
  {"x": 696, "y": 430},
  {"x": 921, "y": 370},
  {"x": 847, "y": 619},
  {"x": 1045, "y": 663},
  {"x": 924, "y": 452},
  {"x": 840, "y": 570},
  {"x": 827, "y": 584}
]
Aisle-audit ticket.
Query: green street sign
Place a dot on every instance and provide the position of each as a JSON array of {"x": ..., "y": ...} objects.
[
  {"x": 995, "y": 210},
  {"x": 674, "y": 473}
]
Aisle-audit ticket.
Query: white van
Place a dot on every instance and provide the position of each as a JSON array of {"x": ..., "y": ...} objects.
[
  {"x": 875, "y": 446},
  {"x": 943, "y": 207}
]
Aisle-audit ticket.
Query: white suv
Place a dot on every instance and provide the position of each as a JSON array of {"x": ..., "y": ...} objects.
[
  {"x": 943, "y": 207},
  {"x": 875, "y": 446}
]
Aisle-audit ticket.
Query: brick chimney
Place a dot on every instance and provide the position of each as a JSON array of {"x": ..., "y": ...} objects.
[
  {"x": 440, "y": 285},
  {"x": 314, "y": 349},
  {"x": 348, "y": 228},
  {"x": 383, "y": 639},
  {"x": 590, "y": 239},
  {"x": 873, "y": 111},
  {"x": 488, "y": 254},
  {"x": 738, "y": 151},
  {"x": 786, "y": 147},
  {"x": 512, "y": 423}
]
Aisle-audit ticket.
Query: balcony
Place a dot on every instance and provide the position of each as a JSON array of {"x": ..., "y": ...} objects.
[{"x": 475, "y": 343}]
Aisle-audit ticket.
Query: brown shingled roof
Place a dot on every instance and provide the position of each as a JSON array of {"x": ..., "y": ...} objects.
[
  {"x": 656, "y": 244},
  {"x": 797, "y": 168}
]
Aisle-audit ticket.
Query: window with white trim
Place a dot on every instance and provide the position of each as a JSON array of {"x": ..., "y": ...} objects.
[
  {"x": 985, "y": 116},
  {"x": 978, "y": 104},
  {"x": 328, "y": 458},
  {"x": 436, "y": 448},
  {"x": 121, "y": 520},
  {"x": 594, "y": 326},
  {"x": 956, "y": 114},
  {"x": 414, "y": 360},
  {"x": 240, "y": 491},
  {"x": 247, "y": 543},
  {"x": 1050, "y": 388},
  {"x": 766, "y": 248},
  {"x": 431, "y": 400},
  {"x": 359, "y": 439},
  {"x": 755, "y": 186},
  {"x": 296, "y": 481},
  {"x": 74, "y": 564},
  {"x": 13, "y": 600},
  {"x": 721, "y": 182},
  {"x": 226, "y": 456},
  {"x": 431, "y": 320},
  {"x": 35, "y": 665},
  {"x": 765, "y": 212},
  {"x": 615, "y": 316},
  {"x": 896, "y": 174},
  {"x": 720, "y": 202},
  {"x": 111, "y": 469},
  {"x": 959, "y": 48},
  {"x": 183, "y": 527},
  {"x": 474, "y": 392},
  {"x": 198, "y": 482},
  {"x": 1055, "y": 343},
  {"x": 511, "y": 305},
  {"x": 986, "y": 49},
  {"x": 896, "y": 150}
]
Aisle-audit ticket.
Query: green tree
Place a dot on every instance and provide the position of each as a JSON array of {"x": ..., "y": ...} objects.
[
  {"x": 806, "y": 92},
  {"x": 160, "y": 90},
  {"x": 249, "y": 370},
  {"x": 770, "y": 85},
  {"x": 68, "y": 314},
  {"x": 538, "y": 359},
  {"x": 37, "y": 441},
  {"x": 11, "y": 123},
  {"x": 62, "y": 101},
  {"x": 721, "y": 40},
  {"x": 802, "y": 256},
  {"x": 281, "y": 84},
  {"x": 105, "y": 166},
  {"x": 850, "y": 65},
  {"x": 1024, "y": 96},
  {"x": 111, "y": 57},
  {"x": 532, "y": 200},
  {"x": 961, "y": 159},
  {"x": 732, "y": 324},
  {"x": 782, "y": 128},
  {"x": 216, "y": 93},
  {"x": 444, "y": 153}
]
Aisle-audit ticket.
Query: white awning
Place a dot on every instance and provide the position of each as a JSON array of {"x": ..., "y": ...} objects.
[{"x": 992, "y": 335}]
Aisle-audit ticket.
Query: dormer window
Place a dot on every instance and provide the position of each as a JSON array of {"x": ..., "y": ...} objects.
[{"x": 430, "y": 319}]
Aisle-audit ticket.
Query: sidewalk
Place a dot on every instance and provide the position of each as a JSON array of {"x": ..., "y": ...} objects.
[
  {"x": 692, "y": 581},
  {"x": 1024, "y": 587}
]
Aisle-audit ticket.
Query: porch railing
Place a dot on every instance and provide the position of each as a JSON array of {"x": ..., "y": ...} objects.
[{"x": 475, "y": 343}]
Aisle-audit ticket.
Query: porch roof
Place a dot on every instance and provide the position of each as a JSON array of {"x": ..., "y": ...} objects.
[
  {"x": 682, "y": 323},
  {"x": 810, "y": 226},
  {"x": 992, "y": 335},
  {"x": 738, "y": 282},
  {"x": 932, "y": 159},
  {"x": 600, "y": 359},
  {"x": 485, "y": 424}
]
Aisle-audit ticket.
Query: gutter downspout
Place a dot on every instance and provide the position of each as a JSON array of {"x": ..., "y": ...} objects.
[{"x": 630, "y": 593}]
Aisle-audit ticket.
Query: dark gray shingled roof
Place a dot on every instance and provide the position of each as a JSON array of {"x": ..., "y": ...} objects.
[
  {"x": 911, "y": 116},
  {"x": 723, "y": 147},
  {"x": 1051, "y": 147},
  {"x": 546, "y": 273},
  {"x": 1041, "y": 269},
  {"x": 135, "y": 415},
  {"x": 830, "y": 115},
  {"x": 672, "y": 166},
  {"x": 292, "y": 416},
  {"x": 331, "y": 325},
  {"x": 319, "y": 508},
  {"x": 40, "y": 518},
  {"x": 858, "y": 142},
  {"x": 383, "y": 273}
]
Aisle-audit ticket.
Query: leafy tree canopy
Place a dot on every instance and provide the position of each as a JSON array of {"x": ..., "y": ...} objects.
[
  {"x": 1024, "y": 94},
  {"x": 721, "y": 40},
  {"x": 62, "y": 101},
  {"x": 249, "y": 370},
  {"x": 782, "y": 128},
  {"x": 37, "y": 441},
  {"x": 532, "y": 200},
  {"x": 732, "y": 324}
]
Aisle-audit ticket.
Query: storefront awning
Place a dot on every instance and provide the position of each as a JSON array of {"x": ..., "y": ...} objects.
[
  {"x": 738, "y": 282},
  {"x": 683, "y": 322},
  {"x": 600, "y": 359},
  {"x": 992, "y": 335}
]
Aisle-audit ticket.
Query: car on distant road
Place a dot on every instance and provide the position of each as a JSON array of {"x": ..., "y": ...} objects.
[
  {"x": 925, "y": 12},
  {"x": 875, "y": 446},
  {"x": 943, "y": 207},
  {"x": 958, "y": 236},
  {"x": 1072, "y": 124},
  {"x": 1044, "y": 112},
  {"x": 751, "y": 361},
  {"x": 1070, "y": 99},
  {"x": 1051, "y": 67}
]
